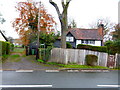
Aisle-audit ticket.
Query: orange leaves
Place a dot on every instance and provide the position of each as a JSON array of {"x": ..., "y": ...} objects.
[{"x": 28, "y": 19}]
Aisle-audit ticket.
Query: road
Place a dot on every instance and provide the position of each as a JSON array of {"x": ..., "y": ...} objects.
[{"x": 60, "y": 79}]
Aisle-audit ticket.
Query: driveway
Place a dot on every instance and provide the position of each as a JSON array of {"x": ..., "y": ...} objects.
[{"x": 25, "y": 63}]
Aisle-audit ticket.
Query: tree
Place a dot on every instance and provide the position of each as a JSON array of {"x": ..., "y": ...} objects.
[
  {"x": 63, "y": 19},
  {"x": 48, "y": 39},
  {"x": 108, "y": 26},
  {"x": 27, "y": 23},
  {"x": 2, "y": 20},
  {"x": 72, "y": 23},
  {"x": 116, "y": 33}
]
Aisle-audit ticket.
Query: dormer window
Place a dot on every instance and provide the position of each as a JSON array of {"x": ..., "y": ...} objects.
[{"x": 69, "y": 39}]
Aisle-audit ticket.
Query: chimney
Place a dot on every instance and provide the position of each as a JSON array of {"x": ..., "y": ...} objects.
[{"x": 100, "y": 29}]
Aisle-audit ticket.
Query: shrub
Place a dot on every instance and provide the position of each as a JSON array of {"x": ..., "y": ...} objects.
[
  {"x": 45, "y": 53},
  {"x": 68, "y": 45},
  {"x": 113, "y": 47},
  {"x": 93, "y": 48},
  {"x": 12, "y": 47},
  {"x": 91, "y": 60},
  {"x": 5, "y": 50}
]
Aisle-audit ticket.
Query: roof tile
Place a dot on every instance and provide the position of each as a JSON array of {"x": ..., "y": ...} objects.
[{"x": 85, "y": 33}]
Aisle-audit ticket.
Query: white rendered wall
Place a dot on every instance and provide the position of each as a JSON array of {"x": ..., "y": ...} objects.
[
  {"x": 97, "y": 43},
  {"x": 78, "y": 42}
]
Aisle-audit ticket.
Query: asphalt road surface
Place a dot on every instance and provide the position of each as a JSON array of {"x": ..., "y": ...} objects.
[{"x": 61, "y": 79}]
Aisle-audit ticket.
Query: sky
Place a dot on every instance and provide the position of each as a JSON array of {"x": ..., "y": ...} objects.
[{"x": 84, "y": 12}]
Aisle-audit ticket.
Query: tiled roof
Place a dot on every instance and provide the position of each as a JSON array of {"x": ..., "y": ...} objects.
[{"x": 92, "y": 34}]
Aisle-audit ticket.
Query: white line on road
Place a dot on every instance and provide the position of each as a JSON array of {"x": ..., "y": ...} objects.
[
  {"x": 108, "y": 85},
  {"x": 24, "y": 70},
  {"x": 51, "y": 70},
  {"x": 72, "y": 70},
  {"x": 23, "y": 86}
]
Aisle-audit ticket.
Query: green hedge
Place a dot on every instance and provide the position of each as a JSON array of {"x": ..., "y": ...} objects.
[
  {"x": 68, "y": 45},
  {"x": 93, "y": 48},
  {"x": 5, "y": 48}
]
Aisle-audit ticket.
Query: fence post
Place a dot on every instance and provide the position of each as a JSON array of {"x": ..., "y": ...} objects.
[
  {"x": 115, "y": 60},
  {"x": 106, "y": 59}
]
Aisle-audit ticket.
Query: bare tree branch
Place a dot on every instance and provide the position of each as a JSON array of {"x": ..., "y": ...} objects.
[
  {"x": 63, "y": 4},
  {"x": 56, "y": 7},
  {"x": 66, "y": 6}
]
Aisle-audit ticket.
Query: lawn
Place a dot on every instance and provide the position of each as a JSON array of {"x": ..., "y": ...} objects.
[{"x": 18, "y": 50}]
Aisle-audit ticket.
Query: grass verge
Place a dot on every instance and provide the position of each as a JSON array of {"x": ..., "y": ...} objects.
[{"x": 73, "y": 65}]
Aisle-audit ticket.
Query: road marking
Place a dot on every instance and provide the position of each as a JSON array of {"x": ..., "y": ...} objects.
[
  {"x": 94, "y": 70},
  {"x": 24, "y": 70},
  {"x": 106, "y": 71},
  {"x": 72, "y": 70},
  {"x": 51, "y": 70},
  {"x": 23, "y": 86},
  {"x": 108, "y": 85}
]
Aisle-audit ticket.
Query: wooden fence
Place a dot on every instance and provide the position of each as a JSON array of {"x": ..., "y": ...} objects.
[
  {"x": 117, "y": 60},
  {"x": 66, "y": 56}
]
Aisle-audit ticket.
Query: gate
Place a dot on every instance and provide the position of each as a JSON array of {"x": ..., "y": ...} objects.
[
  {"x": 45, "y": 53},
  {"x": 111, "y": 61}
]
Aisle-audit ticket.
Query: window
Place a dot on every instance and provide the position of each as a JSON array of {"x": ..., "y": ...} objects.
[
  {"x": 84, "y": 42},
  {"x": 69, "y": 39},
  {"x": 91, "y": 42},
  {"x": 88, "y": 41}
]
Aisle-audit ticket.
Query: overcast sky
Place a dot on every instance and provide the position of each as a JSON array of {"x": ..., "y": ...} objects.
[{"x": 84, "y": 12}]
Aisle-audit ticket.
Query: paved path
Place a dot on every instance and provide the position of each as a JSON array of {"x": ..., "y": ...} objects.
[{"x": 25, "y": 63}]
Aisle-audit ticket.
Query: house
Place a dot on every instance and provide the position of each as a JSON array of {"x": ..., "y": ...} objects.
[
  {"x": 2, "y": 36},
  {"x": 17, "y": 42},
  {"x": 83, "y": 36}
]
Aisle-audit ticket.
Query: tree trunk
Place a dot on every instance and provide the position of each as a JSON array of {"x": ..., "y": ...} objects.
[
  {"x": 63, "y": 20},
  {"x": 63, "y": 37},
  {"x": 64, "y": 29}
]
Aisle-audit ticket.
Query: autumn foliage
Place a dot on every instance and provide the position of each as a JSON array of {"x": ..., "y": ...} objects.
[{"x": 27, "y": 23}]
